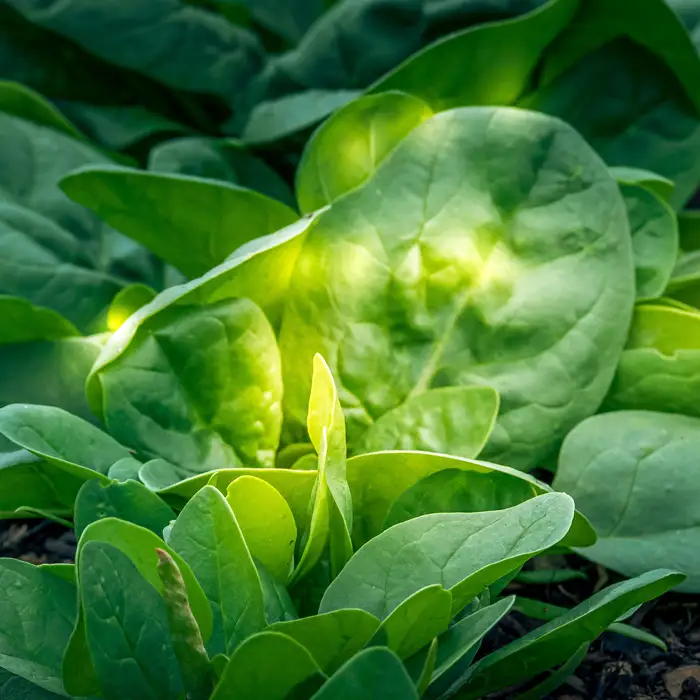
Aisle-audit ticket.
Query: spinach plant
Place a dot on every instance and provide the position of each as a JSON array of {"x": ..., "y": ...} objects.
[{"x": 254, "y": 589}]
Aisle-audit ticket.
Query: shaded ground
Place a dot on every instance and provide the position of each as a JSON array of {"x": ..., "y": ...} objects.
[{"x": 616, "y": 668}]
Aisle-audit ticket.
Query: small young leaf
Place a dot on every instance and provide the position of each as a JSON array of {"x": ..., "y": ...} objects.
[
  {"x": 267, "y": 666},
  {"x": 331, "y": 638},
  {"x": 556, "y": 678}
]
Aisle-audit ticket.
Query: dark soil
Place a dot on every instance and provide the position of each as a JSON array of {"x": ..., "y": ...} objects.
[{"x": 616, "y": 667}]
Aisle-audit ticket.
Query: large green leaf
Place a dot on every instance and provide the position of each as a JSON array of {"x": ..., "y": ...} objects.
[
  {"x": 38, "y": 611},
  {"x": 634, "y": 474},
  {"x": 501, "y": 58},
  {"x": 268, "y": 666},
  {"x": 126, "y": 627},
  {"x": 429, "y": 316},
  {"x": 63, "y": 439},
  {"x": 219, "y": 159},
  {"x": 348, "y": 147},
  {"x": 23, "y": 322},
  {"x": 377, "y": 482},
  {"x": 455, "y": 421},
  {"x": 191, "y": 222},
  {"x": 660, "y": 367},
  {"x": 162, "y": 41},
  {"x": 209, "y": 539},
  {"x": 331, "y": 638},
  {"x": 373, "y": 674},
  {"x": 201, "y": 388},
  {"x": 557, "y": 641},
  {"x": 464, "y": 552}
]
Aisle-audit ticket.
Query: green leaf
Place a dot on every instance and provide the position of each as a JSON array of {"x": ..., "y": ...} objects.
[
  {"x": 654, "y": 232},
  {"x": 430, "y": 317},
  {"x": 464, "y": 552},
  {"x": 267, "y": 524},
  {"x": 259, "y": 271},
  {"x": 416, "y": 621},
  {"x": 201, "y": 388},
  {"x": 660, "y": 366},
  {"x": 644, "y": 511},
  {"x": 378, "y": 480},
  {"x": 224, "y": 160},
  {"x": 139, "y": 545},
  {"x": 125, "y": 470},
  {"x": 21, "y": 101},
  {"x": 424, "y": 672},
  {"x": 126, "y": 627},
  {"x": 373, "y": 674},
  {"x": 501, "y": 57},
  {"x": 268, "y": 666},
  {"x": 348, "y": 147},
  {"x": 20, "y": 689},
  {"x": 209, "y": 539},
  {"x": 130, "y": 501},
  {"x": 278, "y": 603},
  {"x": 289, "y": 455},
  {"x": 454, "y": 420},
  {"x": 163, "y": 43},
  {"x": 332, "y": 638},
  {"x": 557, "y": 641},
  {"x": 278, "y": 118},
  {"x": 126, "y": 302},
  {"x": 65, "y": 440},
  {"x": 458, "y": 491},
  {"x": 188, "y": 645},
  {"x": 557, "y": 677},
  {"x": 655, "y": 183},
  {"x": 190, "y": 222},
  {"x": 38, "y": 611},
  {"x": 538, "y": 577}
]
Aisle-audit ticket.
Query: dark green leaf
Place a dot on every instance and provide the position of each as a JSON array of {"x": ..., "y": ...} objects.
[{"x": 23, "y": 322}]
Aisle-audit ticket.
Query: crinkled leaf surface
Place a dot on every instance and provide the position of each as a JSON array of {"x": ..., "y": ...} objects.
[
  {"x": 464, "y": 552},
  {"x": 636, "y": 476},
  {"x": 424, "y": 316}
]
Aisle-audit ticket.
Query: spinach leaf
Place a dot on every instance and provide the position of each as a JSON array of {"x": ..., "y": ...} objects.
[
  {"x": 379, "y": 480},
  {"x": 557, "y": 641},
  {"x": 38, "y": 611},
  {"x": 202, "y": 390},
  {"x": 332, "y": 638},
  {"x": 454, "y": 420},
  {"x": 464, "y": 552},
  {"x": 431, "y": 317},
  {"x": 126, "y": 627},
  {"x": 269, "y": 666},
  {"x": 192, "y": 223},
  {"x": 373, "y": 674},
  {"x": 369, "y": 129},
  {"x": 646, "y": 515},
  {"x": 267, "y": 524},
  {"x": 660, "y": 366},
  {"x": 130, "y": 501},
  {"x": 660, "y": 186},
  {"x": 210, "y": 540},
  {"x": 23, "y": 322}
]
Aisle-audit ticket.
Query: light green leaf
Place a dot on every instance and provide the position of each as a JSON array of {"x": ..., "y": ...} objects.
[
  {"x": 464, "y": 552},
  {"x": 373, "y": 674},
  {"x": 38, "y": 612},
  {"x": 654, "y": 232},
  {"x": 659, "y": 185},
  {"x": 454, "y": 420},
  {"x": 660, "y": 367},
  {"x": 267, "y": 523},
  {"x": 377, "y": 480},
  {"x": 644, "y": 510},
  {"x": 544, "y": 259},
  {"x": 208, "y": 538},
  {"x": 224, "y": 160},
  {"x": 126, "y": 627},
  {"x": 267, "y": 666},
  {"x": 126, "y": 302},
  {"x": 201, "y": 388},
  {"x": 421, "y": 674},
  {"x": 23, "y": 322},
  {"x": 125, "y": 470},
  {"x": 63, "y": 439},
  {"x": 331, "y": 638},
  {"x": 347, "y": 148},
  {"x": 501, "y": 57},
  {"x": 555, "y": 642},
  {"x": 416, "y": 621},
  {"x": 130, "y": 501},
  {"x": 192, "y": 223}
]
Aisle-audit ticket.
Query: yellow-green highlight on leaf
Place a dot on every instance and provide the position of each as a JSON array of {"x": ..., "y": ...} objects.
[{"x": 267, "y": 523}]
